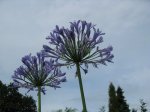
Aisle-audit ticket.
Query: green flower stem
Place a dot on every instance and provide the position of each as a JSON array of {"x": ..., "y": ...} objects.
[
  {"x": 81, "y": 88},
  {"x": 39, "y": 99}
]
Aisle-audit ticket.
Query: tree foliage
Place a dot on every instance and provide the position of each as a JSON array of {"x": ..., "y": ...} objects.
[
  {"x": 117, "y": 102},
  {"x": 143, "y": 106},
  {"x": 122, "y": 105},
  {"x": 66, "y": 110},
  {"x": 12, "y": 101},
  {"x": 102, "y": 109},
  {"x": 112, "y": 98},
  {"x": 134, "y": 110}
]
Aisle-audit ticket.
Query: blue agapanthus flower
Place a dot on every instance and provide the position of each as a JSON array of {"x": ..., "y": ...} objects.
[
  {"x": 78, "y": 44},
  {"x": 36, "y": 72}
]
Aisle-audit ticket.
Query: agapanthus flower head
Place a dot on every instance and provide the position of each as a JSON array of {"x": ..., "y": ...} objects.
[
  {"x": 36, "y": 72},
  {"x": 78, "y": 44}
]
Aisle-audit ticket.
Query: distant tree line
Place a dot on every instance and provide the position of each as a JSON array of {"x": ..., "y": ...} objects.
[
  {"x": 118, "y": 103},
  {"x": 66, "y": 110},
  {"x": 13, "y": 101}
]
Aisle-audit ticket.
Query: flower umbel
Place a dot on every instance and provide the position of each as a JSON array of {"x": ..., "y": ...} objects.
[
  {"x": 36, "y": 73},
  {"x": 78, "y": 44}
]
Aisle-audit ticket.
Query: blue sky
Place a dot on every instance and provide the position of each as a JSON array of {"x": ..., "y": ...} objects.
[{"x": 24, "y": 24}]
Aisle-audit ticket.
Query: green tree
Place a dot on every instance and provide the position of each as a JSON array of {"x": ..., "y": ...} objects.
[
  {"x": 134, "y": 110},
  {"x": 122, "y": 105},
  {"x": 112, "y": 98},
  {"x": 143, "y": 106},
  {"x": 60, "y": 110},
  {"x": 70, "y": 109},
  {"x": 12, "y": 101},
  {"x": 102, "y": 109},
  {"x": 67, "y": 110}
]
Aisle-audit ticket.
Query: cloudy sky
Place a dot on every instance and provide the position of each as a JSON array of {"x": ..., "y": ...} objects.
[{"x": 24, "y": 24}]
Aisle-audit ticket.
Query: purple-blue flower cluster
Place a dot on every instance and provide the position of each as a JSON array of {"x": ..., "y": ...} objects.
[
  {"x": 78, "y": 44},
  {"x": 36, "y": 72}
]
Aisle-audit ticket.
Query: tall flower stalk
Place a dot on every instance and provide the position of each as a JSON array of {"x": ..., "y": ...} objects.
[
  {"x": 36, "y": 73},
  {"x": 79, "y": 46}
]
